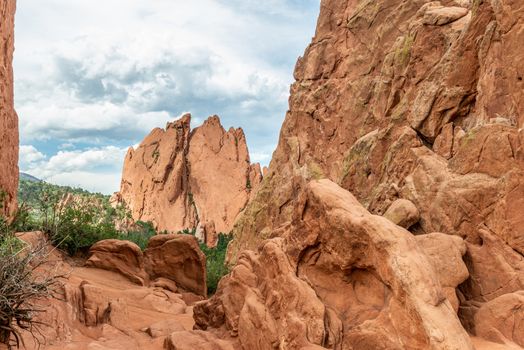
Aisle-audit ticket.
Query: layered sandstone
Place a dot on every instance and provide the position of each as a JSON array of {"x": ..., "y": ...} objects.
[
  {"x": 180, "y": 178},
  {"x": 412, "y": 100},
  {"x": 8, "y": 117}
]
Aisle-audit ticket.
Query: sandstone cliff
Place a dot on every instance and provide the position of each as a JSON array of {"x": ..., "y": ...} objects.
[
  {"x": 180, "y": 178},
  {"x": 8, "y": 117},
  {"x": 414, "y": 100}
]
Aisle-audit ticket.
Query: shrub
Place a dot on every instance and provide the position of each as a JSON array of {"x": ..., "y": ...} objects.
[
  {"x": 216, "y": 262},
  {"x": 21, "y": 287},
  {"x": 141, "y": 235},
  {"x": 78, "y": 228}
]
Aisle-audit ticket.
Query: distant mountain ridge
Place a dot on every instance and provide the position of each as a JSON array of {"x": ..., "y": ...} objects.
[{"x": 28, "y": 177}]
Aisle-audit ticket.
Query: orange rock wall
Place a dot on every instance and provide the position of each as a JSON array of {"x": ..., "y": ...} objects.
[
  {"x": 8, "y": 117},
  {"x": 415, "y": 100},
  {"x": 402, "y": 99}
]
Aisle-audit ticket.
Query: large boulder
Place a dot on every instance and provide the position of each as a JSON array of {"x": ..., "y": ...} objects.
[
  {"x": 339, "y": 277},
  {"x": 171, "y": 262},
  {"x": 403, "y": 213},
  {"x": 8, "y": 118},
  {"x": 123, "y": 257},
  {"x": 502, "y": 319},
  {"x": 445, "y": 253},
  {"x": 177, "y": 258}
]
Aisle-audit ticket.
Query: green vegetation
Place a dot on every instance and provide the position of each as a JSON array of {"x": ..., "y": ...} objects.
[
  {"x": 216, "y": 262},
  {"x": 403, "y": 53},
  {"x": 140, "y": 235},
  {"x": 215, "y": 259},
  {"x": 75, "y": 223}
]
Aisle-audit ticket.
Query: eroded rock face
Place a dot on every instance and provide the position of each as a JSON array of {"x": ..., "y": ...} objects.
[
  {"x": 502, "y": 319},
  {"x": 403, "y": 213},
  {"x": 123, "y": 257},
  {"x": 340, "y": 278},
  {"x": 180, "y": 178},
  {"x": 102, "y": 308},
  {"x": 8, "y": 117},
  {"x": 411, "y": 100},
  {"x": 172, "y": 262},
  {"x": 178, "y": 258},
  {"x": 445, "y": 253}
]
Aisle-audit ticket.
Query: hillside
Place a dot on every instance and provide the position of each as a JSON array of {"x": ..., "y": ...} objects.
[
  {"x": 29, "y": 177},
  {"x": 31, "y": 190}
]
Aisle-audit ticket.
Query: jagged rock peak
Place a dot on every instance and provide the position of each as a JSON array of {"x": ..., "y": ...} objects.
[{"x": 180, "y": 178}]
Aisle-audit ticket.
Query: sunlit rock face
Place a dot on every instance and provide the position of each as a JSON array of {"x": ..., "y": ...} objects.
[
  {"x": 8, "y": 117},
  {"x": 180, "y": 178},
  {"x": 341, "y": 278},
  {"x": 419, "y": 101}
]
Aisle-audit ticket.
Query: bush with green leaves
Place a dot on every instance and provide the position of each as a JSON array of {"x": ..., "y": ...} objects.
[
  {"x": 216, "y": 262},
  {"x": 74, "y": 227},
  {"x": 140, "y": 235},
  {"x": 78, "y": 228}
]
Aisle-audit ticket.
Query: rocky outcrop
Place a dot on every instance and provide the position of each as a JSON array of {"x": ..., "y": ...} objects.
[
  {"x": 173, "y": 262},
  {"x": 123, "y": 257},
  {"x": 341, "y": 278},
  {"x": 403, "y": 213},
  {"x": 180, "y": 178},
  {"x": 411, "y": 100},
  {"x": 445, "y": 253},
  {"x": 502, "y": 319},
  {"x": 102, "y": 308},
  {"x": 8, "y": 117},
  {"x": 177, "y": 258}
]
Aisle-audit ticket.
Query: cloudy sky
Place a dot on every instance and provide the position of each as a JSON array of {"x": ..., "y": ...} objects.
[{"x": 94, "y": 77}]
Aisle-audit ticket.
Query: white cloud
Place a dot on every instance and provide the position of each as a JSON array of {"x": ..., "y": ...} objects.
[
  {"x": 88, "y": 78},
  {"x": 105, "y": 183},
  {"x": 95, "y": 169},
  {"x": 29, "y": 155},
  {"x": 262, "y": 158}
]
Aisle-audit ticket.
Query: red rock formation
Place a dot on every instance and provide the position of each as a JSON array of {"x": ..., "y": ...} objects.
[
  {"x": 178, "y": 178},
  {"x": 101, "y": 308},
  {"x": 341, "y": 278},
  {"x": 178, "y": 258},
  {"x": 172, "y": 262},
  {"x": 502, "y": 319},
  {"x": 412, "y": 100},
  {"x": 123, "y": 257},
  {"x": 8, "y": 117}
]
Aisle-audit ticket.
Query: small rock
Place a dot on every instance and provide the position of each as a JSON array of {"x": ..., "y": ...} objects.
[{"x": 403, "y": 213}]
